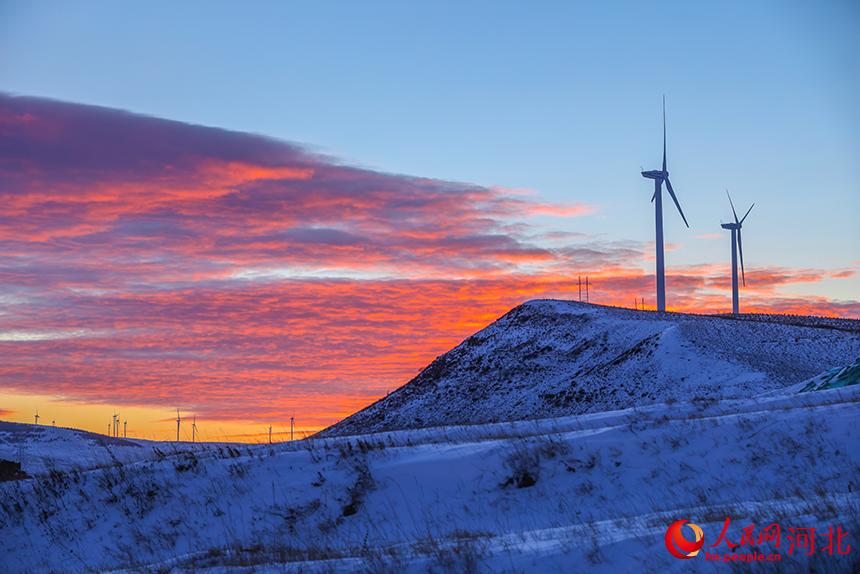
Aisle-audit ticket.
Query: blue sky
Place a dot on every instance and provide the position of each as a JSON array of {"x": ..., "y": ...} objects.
[{"x": 561, "y": 98}]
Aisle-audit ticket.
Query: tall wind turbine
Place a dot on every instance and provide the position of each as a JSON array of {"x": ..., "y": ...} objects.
[
  {"x": 659, "y": 176},
  {"x": 737, "y": 245}
]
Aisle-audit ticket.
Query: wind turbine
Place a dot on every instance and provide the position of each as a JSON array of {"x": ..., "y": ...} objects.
[
  {"x": 737, "y": 245},
  {"x": 659, "y": 176}
]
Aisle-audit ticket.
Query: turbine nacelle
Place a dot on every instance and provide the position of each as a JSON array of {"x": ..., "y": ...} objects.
[
  {"x": 655, "y": 174},
  {"x": 730, "y": 225}
]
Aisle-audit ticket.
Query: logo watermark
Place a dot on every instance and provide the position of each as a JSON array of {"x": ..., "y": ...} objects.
[
  {"x": 678, "y": 545},
  {"x": 685, "y": 540}
]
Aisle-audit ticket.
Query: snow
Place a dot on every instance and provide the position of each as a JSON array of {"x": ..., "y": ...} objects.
[
  {"x": 41, "y": 449},
  {"x": 606, "y": 486}
]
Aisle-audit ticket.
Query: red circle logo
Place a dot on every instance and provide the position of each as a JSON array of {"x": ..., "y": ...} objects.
[{"x": 678, "y": 545}]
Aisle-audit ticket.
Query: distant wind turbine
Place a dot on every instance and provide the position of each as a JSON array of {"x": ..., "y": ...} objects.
[
  {"x": 737, "y": 245},
  {"x": 659, "y": 176}
]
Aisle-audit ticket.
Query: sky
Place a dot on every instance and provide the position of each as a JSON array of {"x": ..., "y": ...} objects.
[{"x": 258, "y": 211}]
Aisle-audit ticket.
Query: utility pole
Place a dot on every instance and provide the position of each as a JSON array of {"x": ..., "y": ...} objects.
[
  {"x": 36, "y": 417},
  {"x": 177, "y": 425},
  {"x": 292, "y": 426}
]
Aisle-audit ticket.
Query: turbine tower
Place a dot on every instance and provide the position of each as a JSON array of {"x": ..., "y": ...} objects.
[
  {"x": 737, "y": 246},
  {"x": 659, "y": 176}
]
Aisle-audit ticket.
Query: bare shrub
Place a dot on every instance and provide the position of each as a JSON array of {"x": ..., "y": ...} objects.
[{"x": 363, "y": 484}]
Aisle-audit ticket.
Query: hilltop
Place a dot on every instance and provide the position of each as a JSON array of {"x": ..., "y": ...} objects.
[{"x": 549, "y": 358}]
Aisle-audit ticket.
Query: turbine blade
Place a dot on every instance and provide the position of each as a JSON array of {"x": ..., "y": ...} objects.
[
  {"x": 733, "y": 206},
  {"x": 747, "y": 213},
  {"x": 675, "y": 199},
  {"x": 741, "y": 250},
  {"x": 664, "y": 133},
  {"x": 653, "y": 197}
]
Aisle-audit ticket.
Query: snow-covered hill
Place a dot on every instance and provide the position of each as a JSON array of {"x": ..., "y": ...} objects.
[
  {"x": 41, "y": 449},
  {"x": 555, "y": 358},
  {"x": 592, "y": 492}
]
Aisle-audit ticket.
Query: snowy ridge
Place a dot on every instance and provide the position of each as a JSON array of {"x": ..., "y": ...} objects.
[
  {"x": 41, "y": 449},
  {"x": 550, "y": 358}
]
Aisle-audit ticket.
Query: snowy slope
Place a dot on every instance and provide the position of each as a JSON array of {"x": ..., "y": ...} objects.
[
  {"x": 41, "y": 449},
  {"x": 591, "y": 492},
  {"x": 555, "y": 358}
]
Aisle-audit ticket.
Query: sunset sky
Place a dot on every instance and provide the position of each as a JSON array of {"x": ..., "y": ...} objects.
[{"x": 253, "y": 212}]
